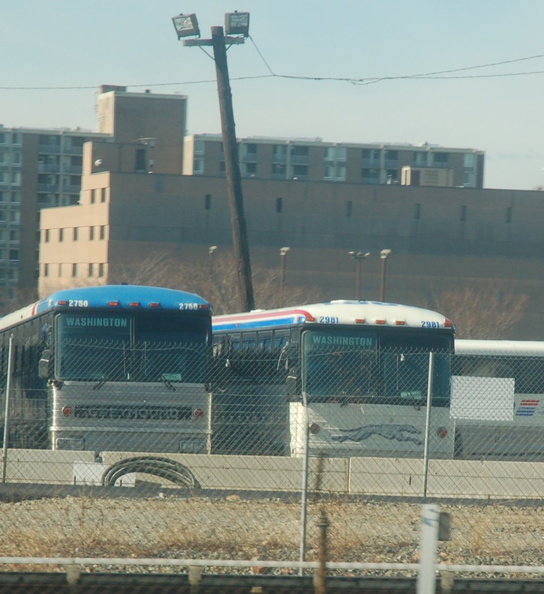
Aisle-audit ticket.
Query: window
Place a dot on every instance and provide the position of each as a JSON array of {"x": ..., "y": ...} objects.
[
  {"x": 139, "y": 161},
  {"x": 75, "y": 233},
  {"x": 279, "y": 204},
  {"x": 93, "y": 196},
  {"x": 198, "y": 167},
  {"x": 440, "y": 158},
  {"x": 250, "y": 169},
  {"x": 300, "y": 171},
  {"x": 14, "y": 254},
  {"x": 46, "y": 269},
  {"x": 278, "y": 171},
  {"x": 207, "y": 202},
  {"x": 103, "y": 195},
  {"x": 74, "y": 269},
  {"x": 91, "y": 270},
  {"x": 91, "y": 233},
  {"x": 102, "y": 232},
  {"x": 251, "y": 149},
  {"x": 101, "y": 269},
  {"x": 61, "y": 234},
  {"x": 349, "y": 208}
]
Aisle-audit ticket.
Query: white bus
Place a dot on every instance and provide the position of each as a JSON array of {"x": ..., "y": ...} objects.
[
  {"x": 116, "y": 367},
  {"x": 356, "y": 373},
  {"x": 498, "y": 399}
]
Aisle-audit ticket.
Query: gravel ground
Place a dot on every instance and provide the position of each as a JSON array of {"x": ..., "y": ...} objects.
[{"x": 233, "y": 527}]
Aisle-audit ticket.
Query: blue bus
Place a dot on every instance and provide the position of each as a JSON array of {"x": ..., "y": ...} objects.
[
  {"x": 119, "y": 367},
  {"x": 352, "y": 374}
]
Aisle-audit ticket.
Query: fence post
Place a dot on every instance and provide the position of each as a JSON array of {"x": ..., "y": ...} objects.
[
  {"x": 428, "y": 424},
  {"x": 304, "y": 494},
  {"x": 321, "y": 575},
  {"x": 6, "y": 411},
  {"x": 426, "y": 579}
]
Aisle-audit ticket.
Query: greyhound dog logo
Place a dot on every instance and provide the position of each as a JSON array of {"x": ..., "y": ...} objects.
[{"x": 390, "y": 432}]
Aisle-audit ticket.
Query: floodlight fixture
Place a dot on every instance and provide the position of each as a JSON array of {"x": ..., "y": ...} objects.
[
  {"x": 237, "y": 23},
  {"x": 186, "y": 25}
]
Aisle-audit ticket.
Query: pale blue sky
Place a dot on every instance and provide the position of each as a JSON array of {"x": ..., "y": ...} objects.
[{"x": 75, "y": 43}]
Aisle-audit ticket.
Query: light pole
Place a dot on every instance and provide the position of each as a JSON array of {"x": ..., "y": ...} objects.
[
  {"x": 236, "y": 23},
  {"x": 358, "y": 257},
  {"x": 211, "y": 252},
  {"x": 383, "y": 256},
  {"x": 283, "y": 256}
]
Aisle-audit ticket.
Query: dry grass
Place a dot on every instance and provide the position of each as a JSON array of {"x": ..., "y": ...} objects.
[{"x": 238, "y": 529}]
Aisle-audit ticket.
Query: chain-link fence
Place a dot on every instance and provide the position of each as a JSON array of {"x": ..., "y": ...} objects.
[{"x": 161, "y": 456}]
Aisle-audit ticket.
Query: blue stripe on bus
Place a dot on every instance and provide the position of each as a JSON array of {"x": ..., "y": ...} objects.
[{"x": 256, "y": 324}]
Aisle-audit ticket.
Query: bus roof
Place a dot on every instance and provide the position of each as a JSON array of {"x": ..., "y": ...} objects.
[
  {"x": 342, "y": 311},
  {"x": 465, "y": 346},
  {"x": 111, "y": 297}
]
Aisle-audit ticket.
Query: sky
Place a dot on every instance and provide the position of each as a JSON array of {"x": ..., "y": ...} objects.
[{"x": 339, "y": 71}]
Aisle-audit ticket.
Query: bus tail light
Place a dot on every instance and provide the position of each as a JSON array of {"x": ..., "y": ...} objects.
[
  {"x": 134, "y": 304},
  {"x": 113, "y": 303},
  {"x": 400, "y": 322},
  {"x": 198, "y": 413},
  {"x": 448, "y": 323},
  {"x": 442, "y": 432},
  {"x": 314, "y": 428},
  {"x": 67, "y": 411}
]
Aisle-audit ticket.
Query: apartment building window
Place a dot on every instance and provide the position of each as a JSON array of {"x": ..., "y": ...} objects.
[
  {"x": 420, "y": 158},
  {"x": 250, "y": 149},
  {"x": 250, "y": 169},
  {"x": 279, "y": 204},
  {"x": 91, "y": 270},
  {"x": 279, "y": 151},
  {"x": 46, "y": 269},
  {"x": 278, "y": 171},
  {"x": 14, "y": 235},
  {"x": 46, "y": 235},
  {"x": 222, "y": 168},
  {"x": 74, "y": 269},
  {"x": 102, "y": 232},
  {"x": 207, "y": 202},
  {"x": 370, "y": 176},
  {"x": 299, "y": 151},
  {"x": 91, "y": 233},
  {"x": 198, "y": 167},
  {"x": 15, "y": 197},
  {"x": 300, "y": 172},
  {"x": 101, "y": 270},
  {"x": 13, "y": 255},
  {"x": 349, "y": 208},
  {"x": 139, "y": 161},
  {"x": 440, "y": 158},
  {"x": 93, "y": 196},
  {"x": 103, "y": 195},
  {"x": 75, "y": 233},
  {"x": 61, "y": 234}
]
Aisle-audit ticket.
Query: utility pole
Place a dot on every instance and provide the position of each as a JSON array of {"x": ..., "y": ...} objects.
[
  {"x": 232, "y": 168},
  {"x": 186, "y": 25}
]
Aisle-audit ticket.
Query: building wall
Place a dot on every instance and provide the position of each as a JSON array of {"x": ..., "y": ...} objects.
[{"x": 441, "y": 237}]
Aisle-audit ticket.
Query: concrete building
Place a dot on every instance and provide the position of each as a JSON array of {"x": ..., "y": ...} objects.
[
  {"x": 38, "y": 169},
  {"x": 314, "y": 160}
]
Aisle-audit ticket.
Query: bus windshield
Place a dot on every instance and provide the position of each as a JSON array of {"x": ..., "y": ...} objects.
[
  {"x": 131, "y": 346},
  {"x": 375, "y": 365}
]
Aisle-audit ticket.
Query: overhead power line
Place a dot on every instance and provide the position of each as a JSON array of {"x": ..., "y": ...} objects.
[{"x": 438, "y": 75}]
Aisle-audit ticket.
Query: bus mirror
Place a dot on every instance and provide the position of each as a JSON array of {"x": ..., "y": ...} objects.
[{"x": 45, "y": 364}]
